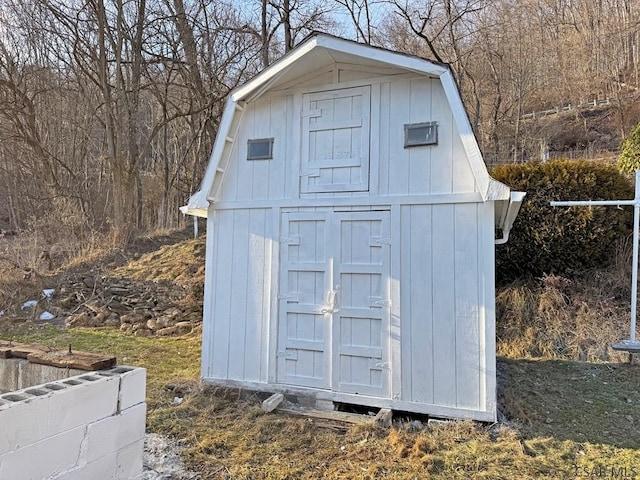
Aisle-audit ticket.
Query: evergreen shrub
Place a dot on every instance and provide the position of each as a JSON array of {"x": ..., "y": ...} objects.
[
  {"x": 562, "y": 240},
  {"x": 629, "y": 158}
]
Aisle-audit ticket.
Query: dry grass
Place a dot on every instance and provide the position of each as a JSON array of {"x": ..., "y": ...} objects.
[
  {"x": 182, "y": 263},
  {"x": 572, "y": 319},
  {"x": 556, "y": 415}
]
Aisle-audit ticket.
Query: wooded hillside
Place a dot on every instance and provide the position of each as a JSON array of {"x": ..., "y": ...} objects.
[{"x": 109, "y": 108}]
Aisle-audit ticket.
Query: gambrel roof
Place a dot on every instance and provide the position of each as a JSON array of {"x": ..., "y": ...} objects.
[{"x": 320, "y": 51}]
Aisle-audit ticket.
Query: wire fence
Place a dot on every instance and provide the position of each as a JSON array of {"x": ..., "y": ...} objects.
[
  {"x": 493, "y": 158},
  {"x": 567, "y": 108}
]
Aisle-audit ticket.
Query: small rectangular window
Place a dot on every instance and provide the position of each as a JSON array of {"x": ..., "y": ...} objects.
[
  {"x": 260, "y": 149},
  {"x": 419, "y": 134}
]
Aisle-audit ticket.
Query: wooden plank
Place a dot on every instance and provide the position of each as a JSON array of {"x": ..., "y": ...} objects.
[
  {"x": 395, "y": 347},
  {"x": 77, "y": 360},
  {"x": 486, "y": 264},
  {"x": 219, "y": 347},
  {"x": 421, "y": 284},
  {"x": 469, "y": 339},
  {"x": 211, "y": 276},
  {"x": 262, "y": 128},
  {"x": 374, "y": 139},
  {"x": 398, "y": 155},
  {"x": 382, "y": 147},
  {"x": 43, "y": 355},
  {"x": 447, "y": 163},
  {"x": 239, "y": 274},
  {"x": 444, "y": 329},
  {"x": 243, "y": 167},
  {"x": 19, "y": 350},
  {"x": 278, "y": 165},
  {"x": 256, "y": 313},
  {"x": 345, "y": 417},
  {"x": 420, "y": 158},
  {"x": 403, "y": 314}
]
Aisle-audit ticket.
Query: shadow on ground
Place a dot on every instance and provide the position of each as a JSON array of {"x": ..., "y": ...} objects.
[{"x": 582, "y": 402}]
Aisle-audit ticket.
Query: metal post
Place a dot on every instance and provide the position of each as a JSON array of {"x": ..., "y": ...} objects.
[{"x": 634, "y": 267}]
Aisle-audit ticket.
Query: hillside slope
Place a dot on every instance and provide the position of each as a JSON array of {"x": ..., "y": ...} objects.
[{"x": 151, "y": 287}]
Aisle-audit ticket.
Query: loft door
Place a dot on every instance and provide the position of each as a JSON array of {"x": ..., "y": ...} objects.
[{"x": 335, "y": 141}]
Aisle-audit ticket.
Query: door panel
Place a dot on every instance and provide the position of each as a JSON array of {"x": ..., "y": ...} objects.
[
  {"x": 335, "y": 140},
  {"x": 362, "y": 340},
  {"x": 334, "y": 301},
  {"x": 304, "y": 279}
]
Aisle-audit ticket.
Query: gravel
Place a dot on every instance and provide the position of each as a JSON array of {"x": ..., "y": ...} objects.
[{"x": 162, "y": 460}]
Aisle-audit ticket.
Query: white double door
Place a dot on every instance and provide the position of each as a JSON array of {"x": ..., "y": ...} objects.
[{"x": 334, "y": 301}]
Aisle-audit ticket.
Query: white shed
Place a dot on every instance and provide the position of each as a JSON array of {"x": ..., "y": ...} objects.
[{"x": 351, "y": 226}]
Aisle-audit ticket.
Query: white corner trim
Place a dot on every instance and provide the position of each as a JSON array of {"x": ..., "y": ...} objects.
[{"x": 497, "y": 190}]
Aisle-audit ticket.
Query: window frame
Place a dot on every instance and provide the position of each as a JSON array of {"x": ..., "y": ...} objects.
[
  {"x": 426, "y": 142},
  {"x": 256, "y": 141}
]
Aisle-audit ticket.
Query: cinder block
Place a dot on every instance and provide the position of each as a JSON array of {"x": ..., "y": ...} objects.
[
  {"x": 133, "y": 385},
  {"x": 273, "y": 402},
  {"x": 23, "y": 423},
  {"x": 129, "y": 461},
  {"x": 9, "y": 374},
  {"x": 82, "y": 404},
  {"x": 43, "y": 459},
  {"x": 104, "y": 468},
  {"x": 116, "y": 432}
]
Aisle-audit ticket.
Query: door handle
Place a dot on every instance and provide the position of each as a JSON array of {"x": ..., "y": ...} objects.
[{"x": 332, "y": 296}]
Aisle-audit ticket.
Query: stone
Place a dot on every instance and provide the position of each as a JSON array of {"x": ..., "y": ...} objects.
[
  {"x": 133, "y": 318},
  {"x": 113, "y": 320},
  {"x": 384, "y": 418},
  {"x": 152, "y": 324},
  {"x": 79, "y": 320},
  {"x": 273, "y": 402},
  {"x": 167, "y": 331},
  {"x": 183, "y": 327},
  {"x": 142, "y": 332}
]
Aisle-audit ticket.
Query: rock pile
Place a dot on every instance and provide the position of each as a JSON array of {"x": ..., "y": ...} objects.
[{"x": 141, "y": 308}]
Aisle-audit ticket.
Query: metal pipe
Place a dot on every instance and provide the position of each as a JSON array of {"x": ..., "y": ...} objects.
[
  {"x": 634, "y": 268},
  {"x": 589, "y": 203}
]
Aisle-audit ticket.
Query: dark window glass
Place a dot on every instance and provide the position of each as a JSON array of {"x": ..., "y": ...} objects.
[
  {"x": 260, "y": 149},
  {"x": 418, "y": 134}
]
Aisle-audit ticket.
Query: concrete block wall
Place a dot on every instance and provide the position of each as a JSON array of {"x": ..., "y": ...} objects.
[
  {"x": 17, "y": 373},
  {"x": 90, "y": 426}
]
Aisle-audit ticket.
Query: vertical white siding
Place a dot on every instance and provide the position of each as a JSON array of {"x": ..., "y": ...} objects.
[
  {"x": 437, "y": 169},
  {"x": 444, "y": 254},
  {"x": 469, "y": 341},
  {"x": 268, "y": 117},
  {"x": 240, "y": 312},
  {"x": 420, "y": 159}
]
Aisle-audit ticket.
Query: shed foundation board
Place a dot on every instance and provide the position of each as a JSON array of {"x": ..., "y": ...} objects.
[{"x": 315, "y": 395}]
